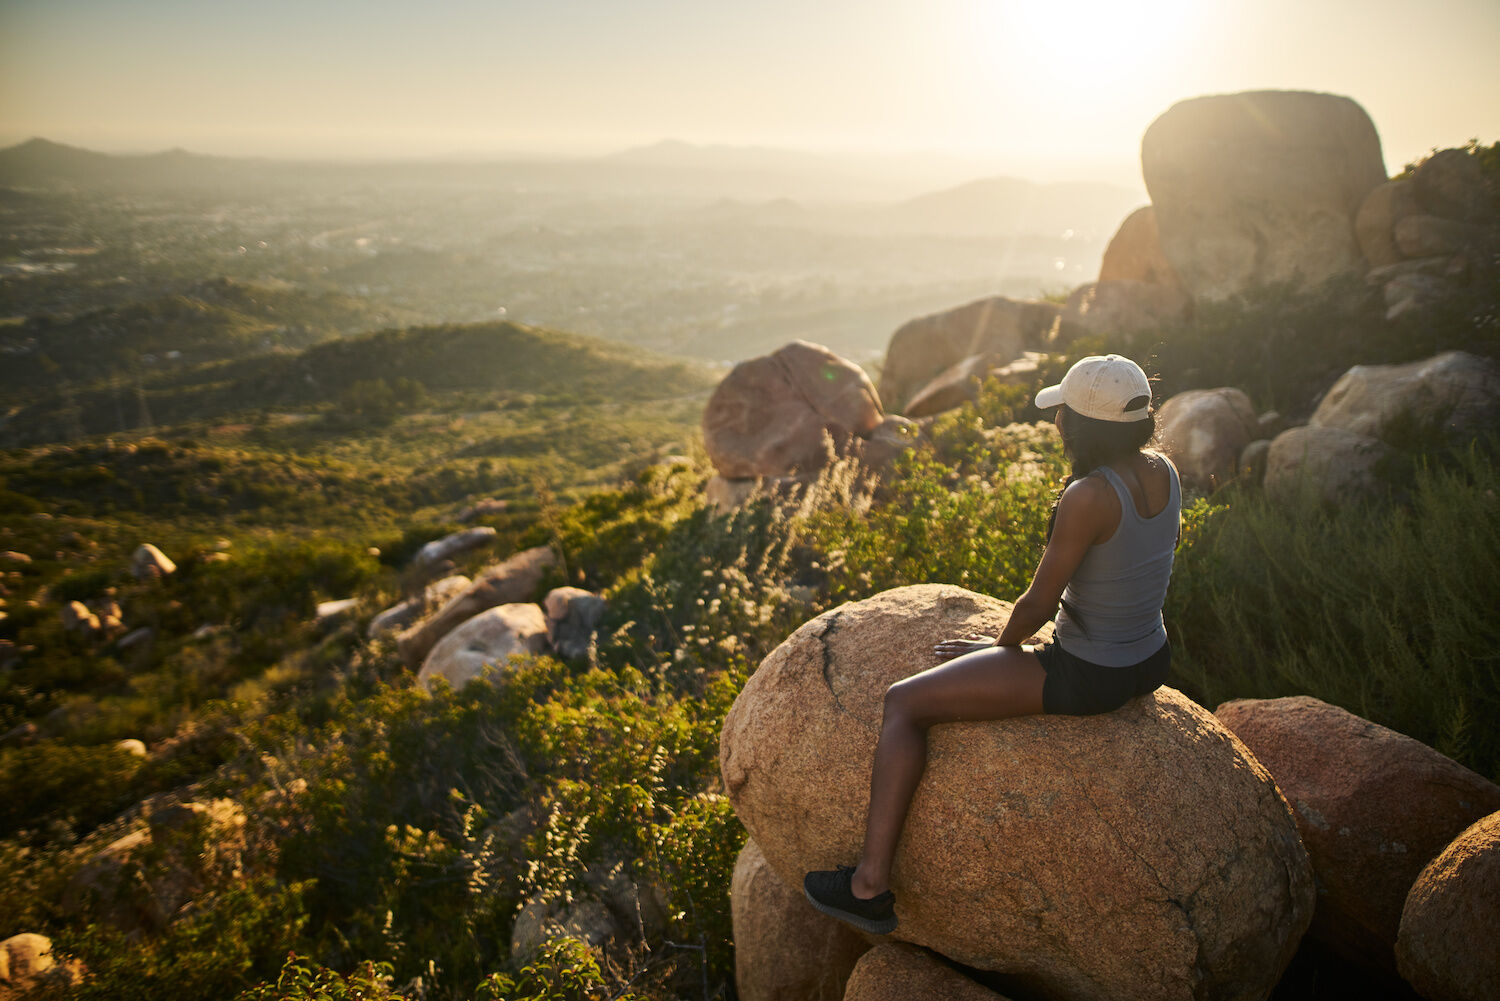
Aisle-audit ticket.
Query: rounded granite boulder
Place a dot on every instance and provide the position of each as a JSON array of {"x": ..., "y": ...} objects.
[{"x": 1143, "y": 853}]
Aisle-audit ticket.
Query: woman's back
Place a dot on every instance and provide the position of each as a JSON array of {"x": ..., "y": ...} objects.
[{"x": 1111, "y": 611}]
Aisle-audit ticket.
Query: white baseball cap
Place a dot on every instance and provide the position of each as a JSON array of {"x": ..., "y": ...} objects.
[{"x": 1102, "y": 387}]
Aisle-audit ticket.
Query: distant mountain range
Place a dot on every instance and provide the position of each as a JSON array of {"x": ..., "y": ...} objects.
[{"x": 668, "y": 168}]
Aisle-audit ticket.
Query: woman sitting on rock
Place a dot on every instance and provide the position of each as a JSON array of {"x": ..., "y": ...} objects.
[{"x": 1108, "y": 558}]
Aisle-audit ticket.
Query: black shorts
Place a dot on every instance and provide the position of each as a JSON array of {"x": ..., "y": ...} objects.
[{"x": 1077, "y": 687}]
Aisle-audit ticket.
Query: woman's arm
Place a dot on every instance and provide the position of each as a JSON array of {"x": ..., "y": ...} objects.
[{"x": 1089, "y": 511}]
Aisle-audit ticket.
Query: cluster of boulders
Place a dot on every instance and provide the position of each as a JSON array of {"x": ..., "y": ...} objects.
[
  {"x": 1214, "y": 435},
  {"x": 1404, "y": 842},
  {"x": 1158, "y": 851},
  {"x": 1247, "y": 190},
  {"x": 1423, "y": 233},
  {"x": 454, "y": 628}
]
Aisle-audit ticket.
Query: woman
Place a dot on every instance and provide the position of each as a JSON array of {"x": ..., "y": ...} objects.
[{"x": 1108, "y": 559}]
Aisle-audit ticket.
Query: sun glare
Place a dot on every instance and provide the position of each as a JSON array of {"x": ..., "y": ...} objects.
[{"x": 1096, "y": 47}]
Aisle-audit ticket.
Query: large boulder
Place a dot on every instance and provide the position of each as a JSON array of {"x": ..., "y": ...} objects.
[
  {"x": 1450, "y": 184},
  {"x": 1260, "y": 187},
  {"x": 1375, "y": 222},
  {"x": 998, "y": 328},
  {"x": 1204, "y": 431},
  {"x": 774, "y": 415},
  {"x": 783, "y": 949},
  {"x": 1373, "y": 806},
  {"x": 1107, "y": 308},
  {"x": 1456, "y": 389},
  {"x": 896, "y": 971},
  {"x": 1135, "y": 254},
  {"x": 1446, "y": 944},
  {"x": 514, "y": 580},
  {"x": 1047, "y": 847},
  {"x": 1423, "y": 235},
  {"x": 1332, "y": 464},
  {"x": 489, "y": 638}
]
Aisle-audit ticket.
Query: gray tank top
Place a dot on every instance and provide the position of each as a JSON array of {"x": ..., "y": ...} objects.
[{"x": 1119, "y": 588}]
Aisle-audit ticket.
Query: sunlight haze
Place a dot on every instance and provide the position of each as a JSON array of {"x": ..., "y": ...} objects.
[{"x": 1042, "y": 89}]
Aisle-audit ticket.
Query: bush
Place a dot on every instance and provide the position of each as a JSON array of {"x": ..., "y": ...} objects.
[{"x": 1385, "y": 611}]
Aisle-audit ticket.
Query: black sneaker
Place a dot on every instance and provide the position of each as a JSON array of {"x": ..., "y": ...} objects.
[{"x": 829, "y": 891}]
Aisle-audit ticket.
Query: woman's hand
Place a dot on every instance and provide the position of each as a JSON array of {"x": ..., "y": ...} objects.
[{"x": 948, "y": 649}]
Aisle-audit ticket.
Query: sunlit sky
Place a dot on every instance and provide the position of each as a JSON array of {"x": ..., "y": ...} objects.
[{"x": 1036, "y": 85}]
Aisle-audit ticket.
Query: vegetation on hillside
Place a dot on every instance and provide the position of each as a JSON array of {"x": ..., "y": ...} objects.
[{"x": 393, "y": 838}]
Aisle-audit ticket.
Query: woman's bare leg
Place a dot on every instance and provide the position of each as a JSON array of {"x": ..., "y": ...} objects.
[{"x": 988, "y": 684}]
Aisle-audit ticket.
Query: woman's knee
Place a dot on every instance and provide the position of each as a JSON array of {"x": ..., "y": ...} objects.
[{"x": 903, "y": 704}]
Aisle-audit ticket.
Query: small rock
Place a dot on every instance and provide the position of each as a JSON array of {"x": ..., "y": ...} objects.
[
  {"x": 573, "y": 616},
  {"x": 20, "y": 559},
  {"x": 150, "y": 562},
  {"x": 135, "y": 638},
  {"x": 331, "y": 612},
  {"x": 77, "y": 618},
  {"x": 132, "y": 746},
  {"x": 1252, "y": 466},
  {"x": 452, "y": 545}
]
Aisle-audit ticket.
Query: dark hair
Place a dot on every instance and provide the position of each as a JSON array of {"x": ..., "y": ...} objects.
[{"x": 1090, "y": 443}]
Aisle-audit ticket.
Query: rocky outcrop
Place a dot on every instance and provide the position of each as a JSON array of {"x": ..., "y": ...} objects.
[
  {"x": 1204, "y": 432},
  {"x": 488, "y": 639},
  {"x": 779, "y": 414},
  {"x": 1429, "y": 233},
  {"x": 1260, "y": 187},
  {"x": 573, "y": 616},
  {"x": 1108, "y": 308},
  {"x": 1344, "y": 777},
  {"x": 1134, "y": 253},
  {"x": 783, "y": 949},
  {"x": 148, "y": 562},
  {"x": 1331, "y": 464},
  {"x": 1455, "y": 390},
  {"x": 517, "y": 579},
  {"x": 899, "y": 972},
  {"x": 1446, "y": 944},
  {"x": 1049, "y": 847},
  {"x": 998, "y": 329}
]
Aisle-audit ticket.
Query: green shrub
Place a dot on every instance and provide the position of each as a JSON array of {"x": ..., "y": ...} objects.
[{"x": 1387, "y": 611}]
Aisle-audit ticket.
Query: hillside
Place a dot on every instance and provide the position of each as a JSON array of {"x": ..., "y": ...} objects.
[
  {"x": 475, "y": 366},
  {"x": 211, "y": 320}
]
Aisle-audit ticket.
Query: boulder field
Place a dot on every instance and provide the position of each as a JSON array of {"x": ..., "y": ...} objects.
[{"x": 1141, "y": 854}]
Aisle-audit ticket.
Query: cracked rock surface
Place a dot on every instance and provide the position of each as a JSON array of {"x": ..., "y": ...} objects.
[{"x": 1141, "y": 854}]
